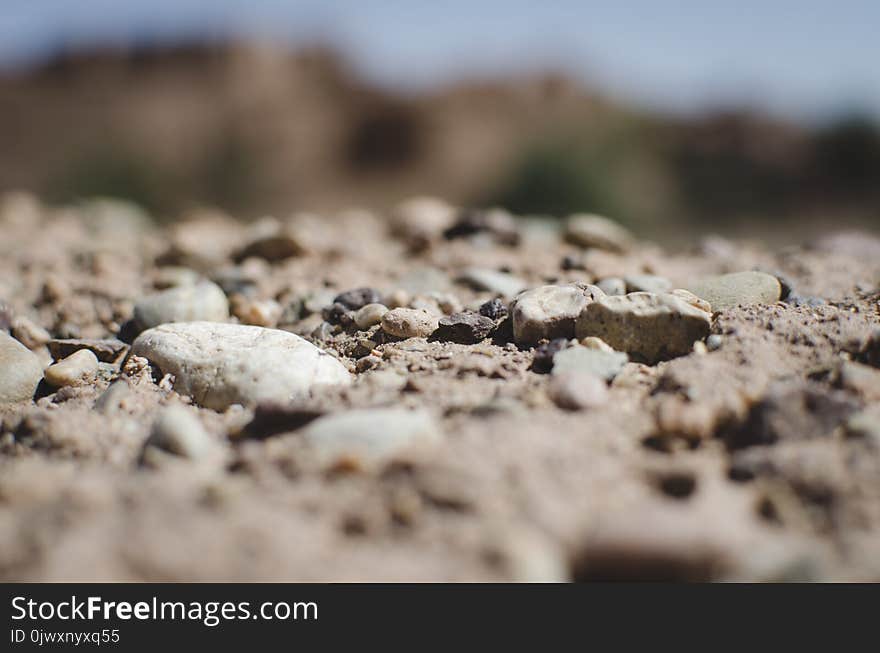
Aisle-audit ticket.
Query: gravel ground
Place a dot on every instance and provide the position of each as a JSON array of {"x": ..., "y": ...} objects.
[{"x": 365, "y": 397}]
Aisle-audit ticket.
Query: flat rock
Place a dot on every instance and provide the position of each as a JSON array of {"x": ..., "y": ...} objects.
[
  {"x": 409, "y": 323},
  {"x": 223, "y": 364},
  {"x": 362, "y": 438},
  {"x": 107, "y": 351},
  {"x": 550, "y": 311},
  {"x": 464, "y": 328},
  {"x": 738, "y": 288},
  {"x": 204, "y": 301},
  {"x": 500, "y": 283},
  {"x": 599, "y": 363},
  {"x": 649, "y": 327},
  {"x": 588, "y": 230},
  {"x": 20, "y": 371}
]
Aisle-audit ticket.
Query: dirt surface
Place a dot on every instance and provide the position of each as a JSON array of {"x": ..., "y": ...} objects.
[{"x": 755, "y": 458}]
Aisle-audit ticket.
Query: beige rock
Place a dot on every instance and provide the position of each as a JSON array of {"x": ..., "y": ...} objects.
[
  {"x": 409, "y": 323},
  {"x": 20, "y": 371},
  {"x": 204, "y": 301},
  {"x": 369, "y": 315},
  {"x": 550, "y": 311},
  {"x": 588, "y": 230},
  {"x": 80, "y": 367},
  {"x": 576, "y": 390},
  {"x": 649, "y": 327},
  {"x": 729, "y": 290}
]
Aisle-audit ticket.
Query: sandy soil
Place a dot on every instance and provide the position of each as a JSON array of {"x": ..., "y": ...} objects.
[{"x": 743, "y": 462}]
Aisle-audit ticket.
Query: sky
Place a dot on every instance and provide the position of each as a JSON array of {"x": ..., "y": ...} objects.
[{"x": 805, "y": 59}]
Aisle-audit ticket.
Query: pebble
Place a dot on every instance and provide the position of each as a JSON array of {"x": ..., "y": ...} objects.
[
  {"x": 369, "y": 315},
  {"x": 692, "y": 299},
  {"x": 204, "y": 301},
  {"x": 574, "y": 390},
  {"x": 223, "y": 364},
  {"x": 107, "y": 351},
  {"x": 550, "y": 311},
  {"x": 368, "y": 363},
  {"x": 497, "y": 223},
  {"x": 649, "y": 327},
  {"x": 272, "y": 241},
  {"x": 28, "y": 333},
  {"x": 494, "y": 309},
  {"x": 647, "y": 283},
  {"x": 420, "y": 220},
  {"x": 612, "y": 286},
  {"x": 338, "y": 314},
  {"x": 464, "y": 328},
  {"x": 398, "y": 298},
  {"x": 596, "y": 362},
  {"x": 542, "y": 359},
  {"x": 178, "y": 431},
  {"x": 80, "y": 367},
  {"x": 592, "y": 342},
  {"x": 500, "y": 283},
  {"x": 20, "y": 371},
  {"x": 739, "y": 288},
  {"x": 587, "y": 230},
  {"x": 714, "y": 342},
  {"x": 358, "y": 298},
  {"x": 258, "y": 312},
  {"x": 409, "y": 323},
  {"x": 364, "y": 438}
]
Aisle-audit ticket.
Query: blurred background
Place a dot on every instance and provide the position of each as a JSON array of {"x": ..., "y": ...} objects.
[{"x": 670, "y": 117}]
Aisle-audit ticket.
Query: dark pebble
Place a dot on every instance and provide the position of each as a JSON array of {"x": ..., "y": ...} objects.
[
  {"x": 337, "y": 313},
  {"x": 494, "y": 309},
  {"x": 271, "y": 419},
  {"x": 464, "y": 328},
  {"x": 358, "y": 298},
  {"x": 474, "y": 221},
  {"x": 542, "y": 362}
]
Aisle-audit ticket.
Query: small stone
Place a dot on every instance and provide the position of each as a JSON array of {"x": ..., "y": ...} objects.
[
  {"x": 612, "y": 286},
  {"x": 409, "y": 323},
  {"x": 107, "y": 351},
  {"x": 714, "y": 342},
  {"x": 204, "y": 301},
  {"x": 692, "y": 299},
  {"x": 257, "y": 312},
  {"x": 649, "y": 327},
  {"x": 587, "y": 230},
  {"x": 20, "y": 371},
  {"x": 542, "y": 359},
  {"x": 647, "y": 283},
  {"x": 421, "y": 220},
  {"x": 739, "y": 288},
  {"x": 28, "y": 333},
  {"x": 221, "y": 364},
  {"x": 366, "y": 438},
  {"x": 272, "y": 241},
  {"x": 500, "y": 283},
  {"x": 369, "y": 315},
  {"x": 358, "y": 298},
  {"x": 80, "y": 367},
  {"x": 498, "y": 223},
  {"x": 398, "y": 298},
  {"x": 550, "y": 311},
  {"x": 464, "y": 328},
  {"x": 700, "y": 348},
  {"x": 494, "y": 309},
  {"x": 368, "y": 363},
  {"x": 596, "y": 362},
  {"x": 592, "y": 342},
  {"x": 338, "y": 314},
  {"x": 178, "y": 431},
  {"x": 574, "y": 390}
]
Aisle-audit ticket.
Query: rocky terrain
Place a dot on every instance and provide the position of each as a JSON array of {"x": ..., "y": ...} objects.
[{"x": 434, "y": 394}]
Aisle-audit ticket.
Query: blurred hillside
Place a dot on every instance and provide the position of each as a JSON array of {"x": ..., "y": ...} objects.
[{"x": 255, "y": 129}]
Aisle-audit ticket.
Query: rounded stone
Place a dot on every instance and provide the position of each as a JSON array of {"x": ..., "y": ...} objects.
[
  {"x": 550, "y": 311},
  {"x": 588, "y": 230},
  {"x": 20, "y": 371},
  {"x": 79, "y": 367},
  {"x": 738, "y": 288},
  {"x": 204, "y": 301},
  {"x": 223, "y": 364},
  {"x": 576, "y": 390},
  {"x": 369, "y": 315},
  {"x": 178, "y": 431},
  {"x": 409, "y": 323},
  {"x": 649, "y": 327}
]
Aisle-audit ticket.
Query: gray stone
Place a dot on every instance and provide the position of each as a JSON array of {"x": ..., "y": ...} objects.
[
  {"x": 364, "y": 438},
  {"x": 603, "y": 364},
  {"x": 464, "y": 328},
  {"x": 649, "y": 327},
  {"x": 576, "y": 390},
  {"x": 647, "y": 283},
  {"x": 612, "y": 286},
  {"x": 587, "y": 230},
  {"x": 20, "y": 371},
  {"x": 178, "y": 431},
  {"x": 80, "y": 367},
  {"x": 204, "y": 301},
  {"x": 714, "y": 342},
  {"x": 500, "y": 283},
  {"x": 409, "y": 323},
  {"x": 739, "y": 288},
  {"x": 369, "y": 315},
  {"x": 550, "y": 311},
  {"x": 223, "y": 364}
]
